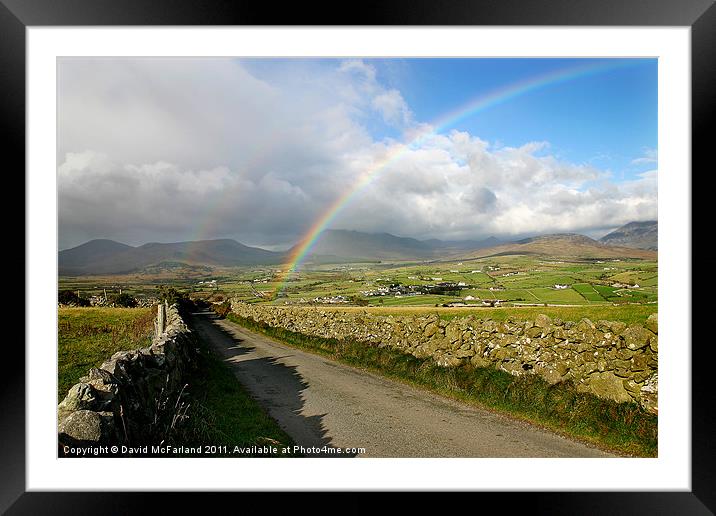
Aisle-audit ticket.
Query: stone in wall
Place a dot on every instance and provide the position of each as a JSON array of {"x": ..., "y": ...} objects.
[{"x": 606, "y": 358}]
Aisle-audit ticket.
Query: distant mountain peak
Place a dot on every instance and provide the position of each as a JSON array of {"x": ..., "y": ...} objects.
[
  {"x": 101, "y": 242},
  {"x": 575, "y": 238},
  {"x": 637, "y": 234}
]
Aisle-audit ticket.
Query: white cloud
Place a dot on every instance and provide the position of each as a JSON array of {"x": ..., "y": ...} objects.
[
  {"x": 360, "y": 67},
  {"x": 456, "y": 187},
  {"x": 649, "y": 157},
  {"x": 364, "y": 86},
  {"x": 392, "y": 107}
]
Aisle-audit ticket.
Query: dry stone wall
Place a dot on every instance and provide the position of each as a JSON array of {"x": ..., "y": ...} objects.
[
  {"x": 121, "y": 401},
  {"x": 609, "y": 359}
]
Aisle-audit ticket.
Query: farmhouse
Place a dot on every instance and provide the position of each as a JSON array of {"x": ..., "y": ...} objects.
[
  {"x": 330, "y": 300},
  {"x": 380, "y": 291}
]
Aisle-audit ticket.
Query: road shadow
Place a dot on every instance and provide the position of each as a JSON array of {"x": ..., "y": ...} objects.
[
  {"x": 275, "y": 386},
  {"x": 236, "y": 345}
]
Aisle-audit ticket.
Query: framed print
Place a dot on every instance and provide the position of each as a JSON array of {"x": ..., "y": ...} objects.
[{"x": 423, "y": 239}]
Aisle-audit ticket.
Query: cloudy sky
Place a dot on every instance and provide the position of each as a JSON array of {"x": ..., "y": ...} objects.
[{"x": 163, "y": 150}]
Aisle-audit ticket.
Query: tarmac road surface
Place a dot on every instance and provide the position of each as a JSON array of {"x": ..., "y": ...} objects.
[{"x": 320, "y": 402}]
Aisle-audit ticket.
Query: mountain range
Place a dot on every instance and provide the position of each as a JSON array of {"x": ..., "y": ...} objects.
[
  {"x": 110, "y": 257},
  {"x": 337, "y": 246},
  {"x": 384, "y": 246},
  {"x": 564, "y": 245}
]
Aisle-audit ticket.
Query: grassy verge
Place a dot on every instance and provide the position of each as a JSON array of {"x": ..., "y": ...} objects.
[
  {"x": 224, "y": 415},
  {"x": 89, "y": 336},
  {"x": 621, "y": 427}
]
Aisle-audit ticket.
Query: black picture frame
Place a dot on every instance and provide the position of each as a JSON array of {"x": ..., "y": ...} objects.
[{"x": 700, "y": 15}]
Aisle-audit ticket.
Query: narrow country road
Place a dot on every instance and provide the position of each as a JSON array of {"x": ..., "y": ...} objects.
[{"x": 319, "y": 402}]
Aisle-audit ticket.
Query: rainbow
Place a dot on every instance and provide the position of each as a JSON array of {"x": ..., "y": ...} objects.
[{"x": 476, "y": 105}]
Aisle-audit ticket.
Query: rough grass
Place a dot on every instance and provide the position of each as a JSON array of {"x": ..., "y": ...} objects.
[
  {"x": 222, "y": 413},
  {"x": 629, "y": 314},
  {"x": 89, "y": 336},
  {"x": 621, "y": 427}
]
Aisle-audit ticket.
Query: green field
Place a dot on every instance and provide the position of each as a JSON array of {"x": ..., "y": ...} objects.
[
  {"x": 615, "y": 289},
  {"x": 89, "y": 336},
  {"x": 588, "y": 292}
]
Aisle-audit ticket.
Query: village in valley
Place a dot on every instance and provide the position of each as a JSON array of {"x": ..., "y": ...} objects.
[
  {"x": 511, "y": 281},
  {"x": 583, "y": 285}
]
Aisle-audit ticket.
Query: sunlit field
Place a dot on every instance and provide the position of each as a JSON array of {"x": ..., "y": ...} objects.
[
  {"x": 89, "y": 336},
  {"x": 494, "y": 287}
]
